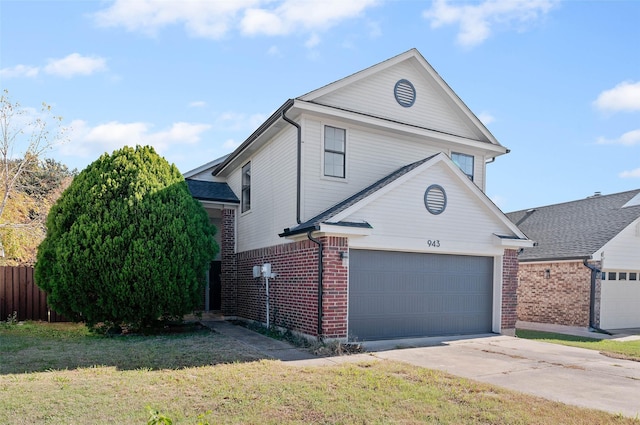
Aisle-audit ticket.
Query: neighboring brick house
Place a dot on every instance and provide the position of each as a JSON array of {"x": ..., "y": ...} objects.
[
  {"x": 585, "y": 267},
  {"x": 373, "y": 186}
]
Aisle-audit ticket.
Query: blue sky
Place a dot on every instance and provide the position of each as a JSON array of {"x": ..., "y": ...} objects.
[{"x": 557, "y": 82}]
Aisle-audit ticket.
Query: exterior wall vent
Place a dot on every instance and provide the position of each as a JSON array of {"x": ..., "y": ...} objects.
[
  {"x": 435, "y": 199},
  {"x": 405, "y": 93}
]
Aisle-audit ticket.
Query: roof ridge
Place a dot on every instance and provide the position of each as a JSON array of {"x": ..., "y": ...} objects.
[{"x": 587, "y": 199}]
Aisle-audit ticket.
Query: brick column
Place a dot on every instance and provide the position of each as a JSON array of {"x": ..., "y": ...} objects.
[
  {"x": 509, "y": 291},
  {"x": 229, "y": 290},
  {"x": 335, "y": 291}
]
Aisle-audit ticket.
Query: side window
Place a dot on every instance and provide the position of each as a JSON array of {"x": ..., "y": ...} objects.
[
  {"x": 465, "y": 162},
  {"x": 334, "y": 151},
  {"x": 246, "y": 187}
]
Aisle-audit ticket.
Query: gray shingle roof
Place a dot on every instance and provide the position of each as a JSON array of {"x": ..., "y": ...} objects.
[
  {"x": 576, "y": 229},
  {"x": 211, "y": 191},
  {"x": 327, "y": 215}
]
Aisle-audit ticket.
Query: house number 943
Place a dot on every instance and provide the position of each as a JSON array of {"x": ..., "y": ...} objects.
[{"x": 433, "y": 243}]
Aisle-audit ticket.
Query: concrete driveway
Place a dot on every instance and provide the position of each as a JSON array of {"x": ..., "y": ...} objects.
[{"x": 569, "y": 375}]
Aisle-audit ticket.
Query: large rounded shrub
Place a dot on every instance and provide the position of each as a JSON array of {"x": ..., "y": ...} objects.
[{"x": 126, "y": 243}]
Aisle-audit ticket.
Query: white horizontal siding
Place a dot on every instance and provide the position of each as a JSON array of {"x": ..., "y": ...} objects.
[
  {"x": 370, "y": 156},
  {"x": 620, "y": 304},
  {"x": 273, "y": 193},
  {"x": 623, "y": 251},
  {"x": 401, "y": 221},
  {"x": 375, "y": 95}
]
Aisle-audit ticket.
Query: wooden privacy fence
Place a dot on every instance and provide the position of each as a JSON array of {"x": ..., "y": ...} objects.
[{"x": 19, "y": 293}]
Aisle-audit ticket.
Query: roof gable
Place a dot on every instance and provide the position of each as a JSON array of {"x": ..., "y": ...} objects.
[
  {"x": 436, "y": 106},
  {"x": 342, "y": 213},
  {"x": 577, "y": 229},
  {"x": 367, "y": 97}
]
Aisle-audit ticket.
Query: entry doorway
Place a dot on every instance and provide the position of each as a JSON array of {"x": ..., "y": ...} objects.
[{"x": 215, "y": 286}]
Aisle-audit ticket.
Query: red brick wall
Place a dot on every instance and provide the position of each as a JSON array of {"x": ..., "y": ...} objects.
[
  {"x": 561, "y": 299},
  {"x": 227, "y": 255},
  {"x": 294, "y": 291},
  {"x": 509, "y": 289}
]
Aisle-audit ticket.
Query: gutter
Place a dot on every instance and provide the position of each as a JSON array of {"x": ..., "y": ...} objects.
[{"x": 592, "y": 297}]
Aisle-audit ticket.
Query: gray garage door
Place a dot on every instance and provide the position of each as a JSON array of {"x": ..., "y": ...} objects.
[{"x": 401, "y": 294}]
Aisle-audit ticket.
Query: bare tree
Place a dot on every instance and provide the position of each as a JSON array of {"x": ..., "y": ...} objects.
[{"x": 25, "y": 137}]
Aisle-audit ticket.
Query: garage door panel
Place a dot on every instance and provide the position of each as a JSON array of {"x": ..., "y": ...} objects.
[{"x": 396, "y": 294}]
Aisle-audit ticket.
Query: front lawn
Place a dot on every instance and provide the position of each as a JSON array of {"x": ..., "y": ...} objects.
[
  {"x": 629, "y": 350},
  {"x": 61, "y": 374}
]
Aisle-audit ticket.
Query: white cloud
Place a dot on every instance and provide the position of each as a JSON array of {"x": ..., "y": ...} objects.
[
  {"x": 214, "y": 19},
  {"x": 233, "y": 121},
  {"x": 630, "y": 174},
  {"x": 292, "y": 15},
  {"x": 75, "y": 64},
  {"x": 313, "y": 41},
  {"x": 374, "y": 29},
  {"x": 486, "y": 117},
  {"x": 230, "y": 145},
  {"x": 274, "y": 51},
  {"x": 201, "y": 18},
  {"x": 90, "y": 142},
  {"x": 630, "y": 138},
  {"x": 476, "y": 21},
  {"x": 197, "y": 104},
  {"x": 19, "y": 71},
  {"x": 623, "y": 97}
]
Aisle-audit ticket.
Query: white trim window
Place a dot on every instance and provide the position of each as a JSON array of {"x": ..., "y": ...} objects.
[
  {"x": 246, "y": 187},
  {"x": 335, "y": 150},
  {"x": 465, "y": 162}
]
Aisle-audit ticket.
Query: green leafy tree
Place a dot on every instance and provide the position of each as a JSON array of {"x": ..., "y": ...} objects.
[{"x": 126, "y": 243}]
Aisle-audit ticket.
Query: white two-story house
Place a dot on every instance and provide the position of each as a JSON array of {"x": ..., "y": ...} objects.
[{"x": 367, "y": 198}]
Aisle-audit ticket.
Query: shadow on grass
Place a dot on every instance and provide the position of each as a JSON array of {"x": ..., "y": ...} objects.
[{"x": 39, "y": 347}]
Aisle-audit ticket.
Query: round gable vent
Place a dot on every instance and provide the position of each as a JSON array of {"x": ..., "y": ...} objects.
[
  {"x": 435, "y": 199},
  {"x": 405, "y": 93}
]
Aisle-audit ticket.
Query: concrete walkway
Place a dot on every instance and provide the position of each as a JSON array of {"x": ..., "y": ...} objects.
[
  {"x": 269, "y": 347},
  {"x": 569, "y": 375}
]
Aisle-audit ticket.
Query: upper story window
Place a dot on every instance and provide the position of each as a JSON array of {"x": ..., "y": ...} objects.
[
  {"x": 246, "y": 187},
  {"x": 334, "y": 151},
  {"x": 465, "y": 162}
]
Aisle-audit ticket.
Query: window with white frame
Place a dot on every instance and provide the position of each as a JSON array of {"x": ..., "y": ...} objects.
[
  {"x": 335, "y": 148},
  {"x": 246, "y": 187},
  {"x": 465, "y": 162}
]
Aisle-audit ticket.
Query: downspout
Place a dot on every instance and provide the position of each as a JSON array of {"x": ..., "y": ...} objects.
[
  {"x": 592, "y": 297},
  {"x": 299, "y": 164},
  {"x": 298, "y": 214},
  {"x": 320, "y": 275}
]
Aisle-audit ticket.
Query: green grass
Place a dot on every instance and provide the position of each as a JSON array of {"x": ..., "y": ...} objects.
[
  {"x": 207, "y": 378},
  {"x": 629, "y": 350},
  {"x": 38, "y": 347}
]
